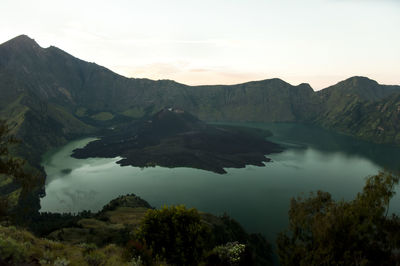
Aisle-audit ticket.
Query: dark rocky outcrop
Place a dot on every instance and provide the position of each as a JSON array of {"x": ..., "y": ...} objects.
[{"x": 175, "y": 138}]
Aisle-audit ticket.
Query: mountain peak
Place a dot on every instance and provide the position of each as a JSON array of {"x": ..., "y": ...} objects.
[
  {"x": 22, "y": 41},
  {"x": 363, "y": 87},
  {"x": 360, "y": 80}
]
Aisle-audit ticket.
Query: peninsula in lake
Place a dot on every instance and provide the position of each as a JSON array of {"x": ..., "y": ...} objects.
[{"x": 175, "y": 138}]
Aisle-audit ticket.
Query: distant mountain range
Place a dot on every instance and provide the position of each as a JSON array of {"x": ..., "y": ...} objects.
[{"x": 49, "y": 96}]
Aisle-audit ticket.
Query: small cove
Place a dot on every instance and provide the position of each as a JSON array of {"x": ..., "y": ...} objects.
[{"x": 258, "y": 197}]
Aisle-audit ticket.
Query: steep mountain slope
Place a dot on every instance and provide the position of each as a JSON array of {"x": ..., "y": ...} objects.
[
  {"x": 378, "y": 121},
  {"x": 362, "y": 87},
  {"x": 361, "y": 107},
  {"x": 267, "y": 100},
  {"x": 55, "y": 76},
  {"x": 49, "y": 96}
]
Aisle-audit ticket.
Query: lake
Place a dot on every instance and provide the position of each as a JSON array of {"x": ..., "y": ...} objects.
[{"x": 258, "y": 197}]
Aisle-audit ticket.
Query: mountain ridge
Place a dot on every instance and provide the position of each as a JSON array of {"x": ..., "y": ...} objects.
[
  {"x": 48, "y": 97},
  {"x": 24, "y": 40},
  {"x": 34, "y": 80}
]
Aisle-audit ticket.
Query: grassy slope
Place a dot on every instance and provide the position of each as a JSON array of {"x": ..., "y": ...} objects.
[{"x": 19, "y": 246}]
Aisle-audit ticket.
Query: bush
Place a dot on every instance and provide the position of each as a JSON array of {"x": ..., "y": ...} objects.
[
  {"x": 176, "y": 234},
  {"x": 95, "y": 258},
  {"x": 136, "y": 251},
  {"x": 327, "y": 232},
  {"x": 12, "y": 251},
  {"x": 229, "y": 254},
  {"x": 61, "y": 262}
]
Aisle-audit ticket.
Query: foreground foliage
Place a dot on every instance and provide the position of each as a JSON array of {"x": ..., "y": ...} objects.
[
  {"x": 10, "y": 168},
  {"x": 180, "y": 237},
  {"x": 183, "y": 236},
  {"x": 176, "y": 234},
  {"x": 327, "y": 232},
  {"x": 20, "y": 183},
  {"x": 19, "y": 247}
]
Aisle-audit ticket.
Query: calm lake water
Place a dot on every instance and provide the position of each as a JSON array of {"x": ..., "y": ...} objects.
[{"x": 257, "y": 197}]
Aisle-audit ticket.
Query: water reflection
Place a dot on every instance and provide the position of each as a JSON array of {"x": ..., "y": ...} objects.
[
  {"x": 301, "y": 137},
  {"x": 258, "y": 197}
]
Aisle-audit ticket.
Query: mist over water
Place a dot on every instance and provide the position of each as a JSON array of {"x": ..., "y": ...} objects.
[{"x": 258, "y": 197}]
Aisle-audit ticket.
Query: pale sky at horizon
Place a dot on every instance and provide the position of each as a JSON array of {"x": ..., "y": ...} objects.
[{"x": 319, "y": 42}]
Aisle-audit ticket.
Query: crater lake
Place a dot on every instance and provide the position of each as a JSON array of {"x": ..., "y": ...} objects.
[{"x": 257, "y": 197}]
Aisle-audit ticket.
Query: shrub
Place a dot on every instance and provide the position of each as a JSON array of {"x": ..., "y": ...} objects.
[
  {"x": 12, "y": 251},
  {"x": 176, "y": 234},
  {"x": 136, "y": 251},
  {"x": 95, "y": 258},
  {"x": 323, "y": 231},
  {"x": 61, "y": 262},
  {"x": 230, "y": 254},
  {"x": 88, "y": 248}
]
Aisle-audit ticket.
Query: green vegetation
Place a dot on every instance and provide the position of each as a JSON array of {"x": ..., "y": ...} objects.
[
  {"x": 20, "y": 183},
  {"x": 327, "y": 232},
  {"x": 134, "y": 113},
  {"x": 176, "y": 234},
  {"x": 80, "y": 112},
  {"x": 20, "y": 247},
  {"x": 229, "y": 254},
  {"x": 11, "y": 170},
  {"x": 322, "y": 231},
  {"x": 126, "y": 232},
  {"x": 103, "y": 116}
]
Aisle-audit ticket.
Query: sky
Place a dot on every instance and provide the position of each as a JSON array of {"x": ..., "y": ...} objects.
[{"x": 320, "y": 42}]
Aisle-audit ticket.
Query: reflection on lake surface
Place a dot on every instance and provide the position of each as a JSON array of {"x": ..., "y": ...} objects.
[{"x": 258, "y": 197}]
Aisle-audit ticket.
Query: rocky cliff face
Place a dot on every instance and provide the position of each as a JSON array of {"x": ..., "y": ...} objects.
[{"x": 54, "y": 76}]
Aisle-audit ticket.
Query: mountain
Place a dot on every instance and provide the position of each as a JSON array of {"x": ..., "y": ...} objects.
[
  {"x": 363, "y": 108},
  {"x": 378, "y": 120},
  {"x": 88, "y": 89},
  {"x": 362, "y": 87},
  {"x": 49, "y": 97}
]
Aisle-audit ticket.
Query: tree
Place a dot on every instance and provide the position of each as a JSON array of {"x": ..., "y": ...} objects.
[
  {"x": 325, "y": 232},
  {"x": 10, "y": 166},
  {"x": 176, "y": 234}
]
